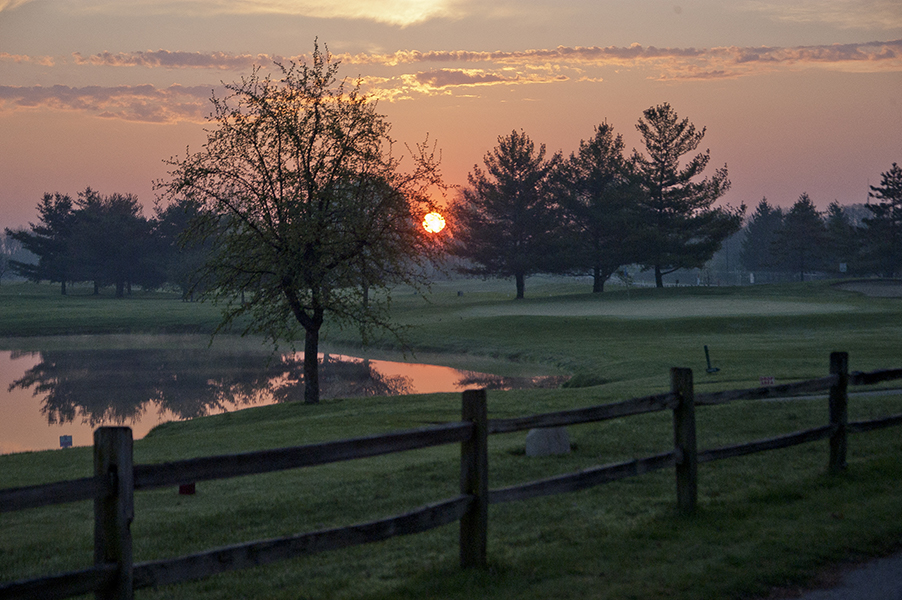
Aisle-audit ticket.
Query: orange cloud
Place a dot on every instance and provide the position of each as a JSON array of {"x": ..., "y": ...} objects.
[
  {"x": 636, "y": 53},
  {"x": 44, "y": 61},
  {"x": 879, "y": 55},
  {"x": 439, "y": 78},
  {"x": 394, "y": 78},
  {"x": 11, "y": 4}
]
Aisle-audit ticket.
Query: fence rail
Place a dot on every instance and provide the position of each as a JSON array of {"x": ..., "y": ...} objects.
[
  {"x": 61, "y": 492},
  {"x": 251, "y": 554},
  {"x": 771, "y": 391},
  {"x": 112, "y": 488},
  {"x": 268, "y": 461},
  {"x": 583, "y": 479},
  {"x": 635, "y": 406}
]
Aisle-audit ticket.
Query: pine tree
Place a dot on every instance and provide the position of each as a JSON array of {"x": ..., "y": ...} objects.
[{"x": 682, "y": 228}]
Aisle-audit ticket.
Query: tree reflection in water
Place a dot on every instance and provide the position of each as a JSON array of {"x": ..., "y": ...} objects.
[
  {"x": 498, "y": 382},
  {"x": 119, "y": 386}
]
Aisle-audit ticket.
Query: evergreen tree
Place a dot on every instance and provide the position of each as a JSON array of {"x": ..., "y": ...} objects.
[
  {"x": 10, "y": 249},
  {"x": 682, "y": 229},
  {"x": 112, "y": 242},
  {"x": 756, "y": 253},
  {"x": 841, "y": 240},
  {"x": 883, "y": 230},
  {"x": 49, "y": 240},
  {"x": 505, "y": 219},
  {"x": 801, "y": 241},
  {"x": 180, "y": 255},
  {"x": 599, "y": 204}
]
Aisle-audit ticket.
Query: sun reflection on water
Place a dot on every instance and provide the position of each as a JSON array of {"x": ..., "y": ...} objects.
[{"x": 44, "y": 395}]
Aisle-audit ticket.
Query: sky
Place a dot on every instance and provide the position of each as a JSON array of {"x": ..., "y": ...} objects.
[{"x": 797, "y": 96}]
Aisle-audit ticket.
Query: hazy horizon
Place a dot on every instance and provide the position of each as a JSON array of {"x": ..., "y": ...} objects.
[{"x": 797, "y": 96}]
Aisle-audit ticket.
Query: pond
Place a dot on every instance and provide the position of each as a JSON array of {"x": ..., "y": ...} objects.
[{"x": 79, "y": 384}]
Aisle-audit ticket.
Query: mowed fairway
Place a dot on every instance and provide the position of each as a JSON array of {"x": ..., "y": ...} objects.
[
  {"x": 673, "y": 308},
  {"x": 628, "y": 337},
  {"x": 772, "y": 519}
]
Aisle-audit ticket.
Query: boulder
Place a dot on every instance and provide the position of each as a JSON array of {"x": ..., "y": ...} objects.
[{"x": 546, "y": 441}]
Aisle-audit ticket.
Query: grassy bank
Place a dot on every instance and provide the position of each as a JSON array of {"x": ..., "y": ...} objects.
[
  {"x": 28, "y": 309},
  {"x": 764, "y": 520}
]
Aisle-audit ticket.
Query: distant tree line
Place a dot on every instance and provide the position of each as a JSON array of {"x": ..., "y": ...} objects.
[
  {"x": 106, "y": 240},
  {"x": 863, "y": 239},
  {"x": 601, "y": 210},
  {"x": 597, "y": 210},
  {"x": 524, "y": 212}
]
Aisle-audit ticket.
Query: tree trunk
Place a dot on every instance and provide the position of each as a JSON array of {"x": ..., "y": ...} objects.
[
  {"x": 311, "y": 323},
  {"x": 521, "y": 284},
  {"x": 63, "y": 287},
  {"x": 659, "y": 277},
  {"x": 120, "y": 289},
  {"x": 96, "y": 288},
  {"x": 311, "y": 364},
  {"x": 597, "y": 282}
]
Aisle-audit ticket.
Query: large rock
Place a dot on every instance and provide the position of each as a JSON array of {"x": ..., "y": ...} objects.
[{"x": 550, "y": 440}]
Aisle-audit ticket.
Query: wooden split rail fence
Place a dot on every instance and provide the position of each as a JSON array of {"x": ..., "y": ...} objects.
[{"x": 115, "y": 575}]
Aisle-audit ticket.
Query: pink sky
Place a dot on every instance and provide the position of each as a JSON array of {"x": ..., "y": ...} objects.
[{"x": 797, "y": 95}]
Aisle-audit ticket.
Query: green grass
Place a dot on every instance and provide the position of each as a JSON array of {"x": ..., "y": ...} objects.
[
  {"x": 764, "y": 520},
  {"x": 28, "y": 309}
]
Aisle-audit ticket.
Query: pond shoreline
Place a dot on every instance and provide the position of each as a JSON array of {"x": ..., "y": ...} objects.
[{"x": 54, "y": 387}]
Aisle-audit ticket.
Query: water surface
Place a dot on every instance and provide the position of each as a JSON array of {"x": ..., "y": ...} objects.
[{"x": 72, "y": 388}]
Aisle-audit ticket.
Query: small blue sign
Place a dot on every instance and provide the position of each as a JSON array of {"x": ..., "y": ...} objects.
[{"x": 65, "y": 441}]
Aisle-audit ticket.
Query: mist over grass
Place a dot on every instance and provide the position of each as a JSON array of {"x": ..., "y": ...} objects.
[{"x": 764, "y": 520}]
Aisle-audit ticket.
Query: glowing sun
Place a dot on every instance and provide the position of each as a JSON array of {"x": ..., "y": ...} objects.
[{"x": 433, "y": 222}]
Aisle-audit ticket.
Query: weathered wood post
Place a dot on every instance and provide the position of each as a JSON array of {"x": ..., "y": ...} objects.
[
  {"x": 839, "y": 410},
  {"x": 684, "y": 441},
  {"x": 474, "y": 480},
  {"x": 114, "y": 509}
]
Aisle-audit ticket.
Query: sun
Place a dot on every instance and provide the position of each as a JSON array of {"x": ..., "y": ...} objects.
[{"x": 433, "y": 222}]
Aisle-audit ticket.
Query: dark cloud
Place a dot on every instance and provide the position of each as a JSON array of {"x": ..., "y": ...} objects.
[
  {"x": 444, "y": 77},
  {"x": 133, "y": 103},
  {"x": 868, "y": 51},
  {"x": 636, "y": 53},
  {"x": 176, "y": 60}
]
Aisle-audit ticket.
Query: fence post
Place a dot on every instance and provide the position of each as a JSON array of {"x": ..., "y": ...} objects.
[
  {"x": 114, "y": 508},
  {"x": 474, "y": 480},
  {"x": 839, "y": 410},
  {"x": 684, "y": 439}
]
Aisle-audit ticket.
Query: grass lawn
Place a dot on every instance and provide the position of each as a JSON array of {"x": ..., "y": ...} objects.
[{"x": 764, "y": 520}]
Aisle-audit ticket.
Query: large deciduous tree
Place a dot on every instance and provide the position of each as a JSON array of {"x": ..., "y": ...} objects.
[
  {"x": 599, "y": 203},
  {"x": 682, "y": 228},
  {"x": 504, "y": 219},
  {"x": 883, "y": 232},
  {"x": 297, "y": 182}
]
